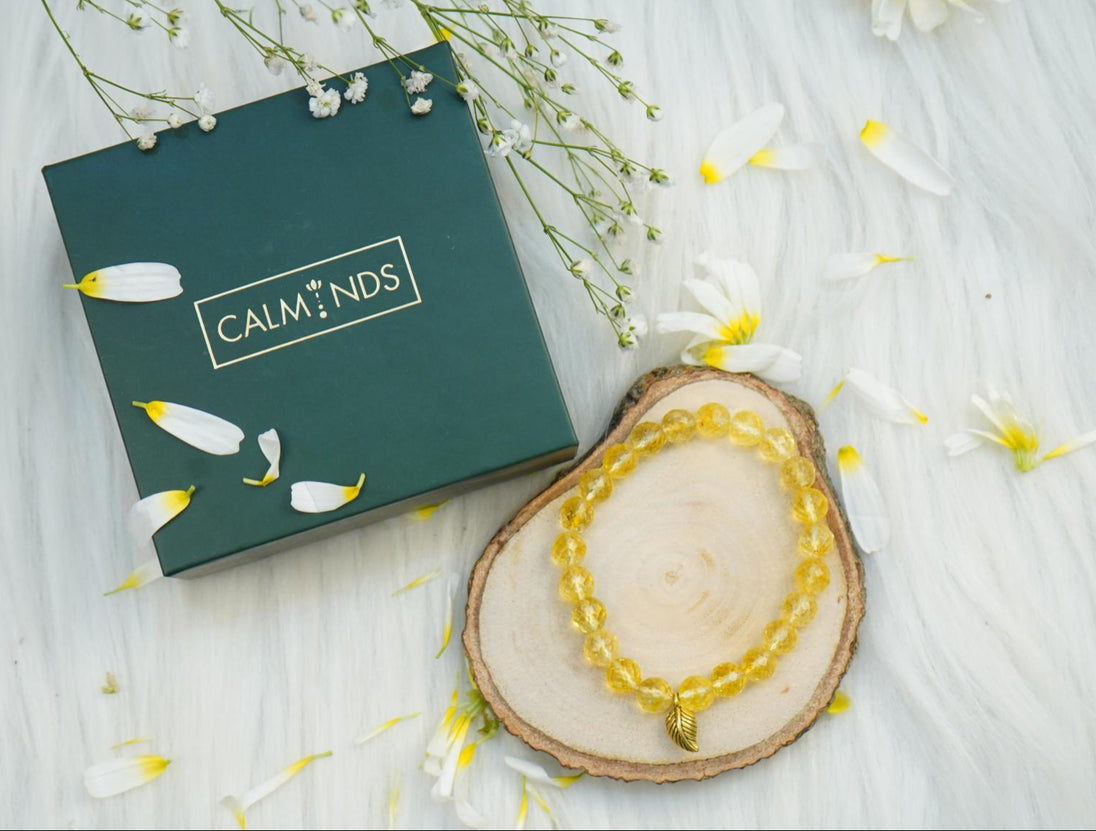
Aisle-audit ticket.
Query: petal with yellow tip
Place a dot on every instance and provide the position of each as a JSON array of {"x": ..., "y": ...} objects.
[
  {"x": 239, "y": 805},
  {"x": 735, "y": 145},
  {"x": 121, "y": 775},
  {"x": 197, "y": 428},
  {"x": 840, "y": 703},
  {"x": 1074, "y": 444},
  {"x": 141, "y": 576},
  {"x": 847, "y": 266},
  {"x": 418, "y": 581},
  {"x": 765, "y": 360},
  {"x": 271, "y": 446},
  {"x": 533, "y": 772},
  {"x": 905, "y": 158},
  {"x": 864, "y": 504},
  {"x": 883, "y": 401},
  {"x": 388, "y": 725},
  {"x": 393, "y": 802},
  {"x": 793, "y": 157},
  {"x": 426, "y": 511},
  {"x": 523, "y": 806},
  {"x": 321, "y": 497},
  {"x": 153, "y": 512},
  {"x": 131, "y": 283},
  {"x": 447, "y": 627},
  {"x": 128, "y": 742}
]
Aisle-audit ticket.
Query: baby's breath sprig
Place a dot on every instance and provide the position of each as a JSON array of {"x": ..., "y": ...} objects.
[
  {"x": 142, "y": 114},
  {"x": 542, "y": 137},
  {"x": 599, "y": 178}
]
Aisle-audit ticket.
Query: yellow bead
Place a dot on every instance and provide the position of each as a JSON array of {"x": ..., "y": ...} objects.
[
  {"x": 797, "y": 473},
  {"x": 654, "y": 695},
  {"x": 575, "y": 513},
  {"x": 623, "y": 675},
  {"x": 679, "y": 426},
  {"x": 576, "y": 584},
  {"x": 588, "y": 614},
  {"x": 695, "y": 693},
  {"x": 713, "y": 421},
  {"x": 728, "y": 679},
  {"x": 647, "y": 438},
  {"x": 777, "y": 445},
  {"x": 779, "y": 637},
  {"x": 600, "y": 648},
  {"x": 568, "y": 549},
  {"x": 595, "y": 485},
  {"x": 746, "y": 428},
  {"x": 758, "y": 664},
  {"x": 812, "y": 576},
  {"x": 619, "y": 461},
  {"x": 816, "y": 541},
  {"x": 799, "y": 609},
  {"x": 809, "y": 506}
]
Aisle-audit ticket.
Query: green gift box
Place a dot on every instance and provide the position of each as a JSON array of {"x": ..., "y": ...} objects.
[{"x": 349, "y": 282}]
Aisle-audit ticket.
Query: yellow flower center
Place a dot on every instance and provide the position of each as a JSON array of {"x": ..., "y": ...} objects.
[{"x": 740, "y": 330}]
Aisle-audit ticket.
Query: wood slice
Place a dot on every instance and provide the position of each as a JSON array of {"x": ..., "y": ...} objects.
[{"x": 692, "y": 555}]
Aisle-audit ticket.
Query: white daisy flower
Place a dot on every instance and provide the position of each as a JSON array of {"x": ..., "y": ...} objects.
[
  {"x": 723, "y": 335},
  {"x": 1010, "y": 430},
  {"x": 146, "y": 141},
  {"x": 207, "y": 122},
  {"x": 174, "y": 121}
]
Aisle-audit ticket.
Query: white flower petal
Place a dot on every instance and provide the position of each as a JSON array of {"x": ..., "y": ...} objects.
[
  {"x": 469, "y": 816},
  {"x": 131, "y": 283},
  {"x": 141, "y": 576},
  {"x": 794, "y": 157},
  {"x": 196, "y": 427},
  {"x": 968, "y": 440},
  {"x": 885, "y": 402},
  {"x": 443, "y": 788},
  {"x": 905, "y": 158},
  {"x": 701, "y": 324},
  {"x": 928, "y": 14},
  {"x": 737, "y": 281},
  {"x": 447, "y": 626},
  {"x": 886, "y": 17},
  {"x": 320, "y": 497},
  {"x": 734, "y": 145},
  {"x": 847, "y": 266},
  {"x": 530, "y": 770},
  {"x": 765, "y": 360},
  {"x": 388, "y": 725},
  {"x": 271, "y": 445},
  {"x": 715, "y": 299},
  {"x": 1074, "y": 444},
  {"x": 120, "y": 775},
  {"x": 239, "y": 805},
  {"x": 153, "y": 512},
  {"x": 864, "y": 504}
]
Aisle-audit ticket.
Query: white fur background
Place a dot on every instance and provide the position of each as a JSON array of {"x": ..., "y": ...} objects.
[{"x": 973, "y": 688}]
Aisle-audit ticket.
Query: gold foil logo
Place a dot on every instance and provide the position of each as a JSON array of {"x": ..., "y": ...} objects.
[{"x": 306, "y": 302}]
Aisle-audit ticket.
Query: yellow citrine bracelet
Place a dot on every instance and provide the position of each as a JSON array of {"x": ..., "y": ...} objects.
[{"x": 576, "y": 586}]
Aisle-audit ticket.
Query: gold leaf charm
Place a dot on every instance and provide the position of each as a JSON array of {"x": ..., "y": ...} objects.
[{"x": 681, "y": 725}]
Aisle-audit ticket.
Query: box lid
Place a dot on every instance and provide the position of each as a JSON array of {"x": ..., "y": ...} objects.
[{"x": 349, "y": 282}]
